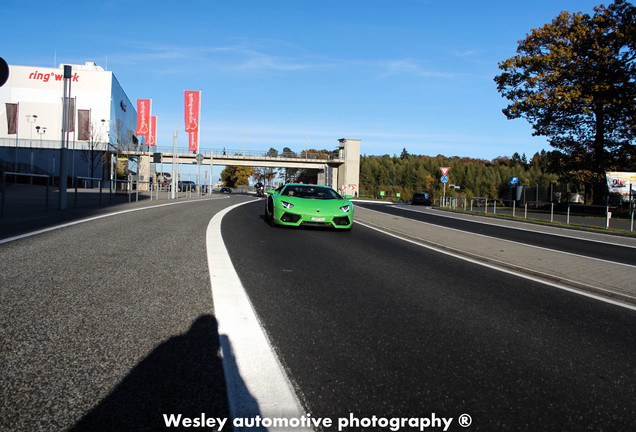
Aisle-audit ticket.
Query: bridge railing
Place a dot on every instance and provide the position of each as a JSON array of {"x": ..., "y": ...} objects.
[
  {"x": 34, "y": 143},
  {"x": 261, "y": 154}
]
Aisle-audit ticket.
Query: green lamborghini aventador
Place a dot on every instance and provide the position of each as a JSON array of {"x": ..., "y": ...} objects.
[{"x": 297, "y": 204}]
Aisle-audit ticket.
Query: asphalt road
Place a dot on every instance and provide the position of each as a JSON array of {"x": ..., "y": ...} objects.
[
  {"x": 595, "y": 249},
  {"x": 367, "y": 324},
  {"x": 110, "y": 324}
]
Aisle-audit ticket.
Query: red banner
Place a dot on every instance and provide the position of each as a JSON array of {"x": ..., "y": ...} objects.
[
  {"x": 192, "y": 103},
  {"x": 12, "y": 118},
  {"x": 193, "y": 141},
  {"x": 84, "y": 125},
  {"x": 143, "y": 117},
  {"x": 152, "y": 139}
]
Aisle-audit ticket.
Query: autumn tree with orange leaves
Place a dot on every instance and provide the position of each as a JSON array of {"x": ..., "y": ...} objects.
[{"x": 574, "y": 81}]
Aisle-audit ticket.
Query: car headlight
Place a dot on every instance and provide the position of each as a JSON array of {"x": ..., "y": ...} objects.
[
  {"x": 345, "y": 208},
  {"x": 286, "y": 204}
]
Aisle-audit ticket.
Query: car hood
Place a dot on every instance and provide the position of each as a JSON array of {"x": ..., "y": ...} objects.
[{"x": 315, "y": 204}]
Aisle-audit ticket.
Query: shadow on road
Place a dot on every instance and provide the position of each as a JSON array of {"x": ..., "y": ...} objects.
[
  {"x": 26, "y": 208},
  {"x": 184, "y": 375}
]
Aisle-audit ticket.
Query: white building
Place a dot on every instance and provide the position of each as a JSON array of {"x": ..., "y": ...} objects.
[{"x": 38, "y": 93}]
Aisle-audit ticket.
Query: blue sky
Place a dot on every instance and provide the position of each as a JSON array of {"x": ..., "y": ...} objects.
[{"x": 414, "y": 74}]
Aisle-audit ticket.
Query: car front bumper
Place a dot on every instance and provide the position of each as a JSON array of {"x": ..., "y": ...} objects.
[{"x": 290, "y": 218}]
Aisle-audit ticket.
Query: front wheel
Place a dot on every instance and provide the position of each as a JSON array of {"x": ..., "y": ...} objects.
[{"x": 269, "y": 217}]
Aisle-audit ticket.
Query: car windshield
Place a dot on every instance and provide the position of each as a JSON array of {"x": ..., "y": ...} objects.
[{"x": 311, "y": 192}]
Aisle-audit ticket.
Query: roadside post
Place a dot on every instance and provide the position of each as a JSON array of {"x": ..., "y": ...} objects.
[
  {"x": 514, "y": 184},
  {"x": 631, "y": 207},
  {"x": 444, "y": 180},
  {"x": 66, "y": 126},
  {"x": 174, "y": 163},
  {"x": 211, "y": 167},
  {"x": 199, "y": 162}
]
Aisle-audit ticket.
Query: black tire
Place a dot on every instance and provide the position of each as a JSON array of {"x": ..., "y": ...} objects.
[{"x": 269, "y": 218}]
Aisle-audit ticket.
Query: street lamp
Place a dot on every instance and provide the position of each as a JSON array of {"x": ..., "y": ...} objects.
[
  {"x": 40, "y": 131},
  {"x": 105, "y": 131},
  {"x": 31, "y": 118}
]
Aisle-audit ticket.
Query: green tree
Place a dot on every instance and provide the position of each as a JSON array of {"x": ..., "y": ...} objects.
[
  {"x": 237, "y": 175},
  {"x": 264, "y": 174},
  {"x": 574, "y": 80},
  {"x": 288, "y": 173}
]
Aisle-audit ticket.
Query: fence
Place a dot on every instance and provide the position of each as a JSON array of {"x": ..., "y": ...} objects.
[
  {"x": 25, "y": 198},
  {"x": 571, "y": 213},
  {"x": 3, "y": 187}
]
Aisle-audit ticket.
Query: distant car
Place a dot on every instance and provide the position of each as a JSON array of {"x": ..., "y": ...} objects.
[
  {"x": 298, "y": 204},
  {"x": 226, "y": 190},
  {"x": 187, "y": 185},
  {"x": 421, "y": 198}
]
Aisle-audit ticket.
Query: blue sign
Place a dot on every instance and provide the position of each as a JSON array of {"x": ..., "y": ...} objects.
[
  {"x": 444, "y": 179},
  {"x": 514, "y": 181}
]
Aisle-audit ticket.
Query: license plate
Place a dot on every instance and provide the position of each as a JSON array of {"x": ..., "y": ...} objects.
[{"x": 317, "y": 219}]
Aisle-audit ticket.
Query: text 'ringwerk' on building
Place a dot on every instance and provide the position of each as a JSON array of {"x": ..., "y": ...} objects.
[{"x": 31, "y": 112}]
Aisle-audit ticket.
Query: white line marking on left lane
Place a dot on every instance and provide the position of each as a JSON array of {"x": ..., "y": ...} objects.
[{"x": 256, "y": 382}]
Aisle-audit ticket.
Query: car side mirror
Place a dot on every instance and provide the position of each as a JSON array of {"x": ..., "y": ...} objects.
[
  {"x": 271, "y": 191},
  {"x": 348, "y": 197}
]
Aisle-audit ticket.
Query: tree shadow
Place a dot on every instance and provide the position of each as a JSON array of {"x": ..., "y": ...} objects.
[{"x": 184, "y": 375}]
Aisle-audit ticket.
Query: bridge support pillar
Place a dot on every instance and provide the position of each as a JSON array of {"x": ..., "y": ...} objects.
[
  {"x": 349, "y": 172},
  {"x": 143, "y": 173}
]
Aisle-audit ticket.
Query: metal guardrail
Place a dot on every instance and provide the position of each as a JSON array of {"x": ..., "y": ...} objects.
[
  {"x": 130, "y": 187},
  {"x": 3, "y": 187}
]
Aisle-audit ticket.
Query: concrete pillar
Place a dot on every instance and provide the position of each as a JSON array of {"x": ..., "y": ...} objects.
[
  {"x": 144, "y": 172},
  {"x": 349, "y": 173}
]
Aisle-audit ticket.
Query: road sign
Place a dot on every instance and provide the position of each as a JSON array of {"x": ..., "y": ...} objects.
[
  {"x": 444, "y": 170},
  {"x": 444, "y": 178}
]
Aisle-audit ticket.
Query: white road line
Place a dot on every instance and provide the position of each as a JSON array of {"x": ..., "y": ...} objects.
[
  {"x": 514, "y": 241},
  {"x": 256, "y": 382},
  {"x": 494, "y": 267}
]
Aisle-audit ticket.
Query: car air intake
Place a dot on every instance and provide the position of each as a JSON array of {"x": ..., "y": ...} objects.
[
  {"x": 342, "y": 220},
  {"x": 291, "y": 218}
]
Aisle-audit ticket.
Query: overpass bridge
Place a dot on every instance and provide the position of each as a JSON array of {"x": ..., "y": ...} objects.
[{"x": 338, "y": 170}]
